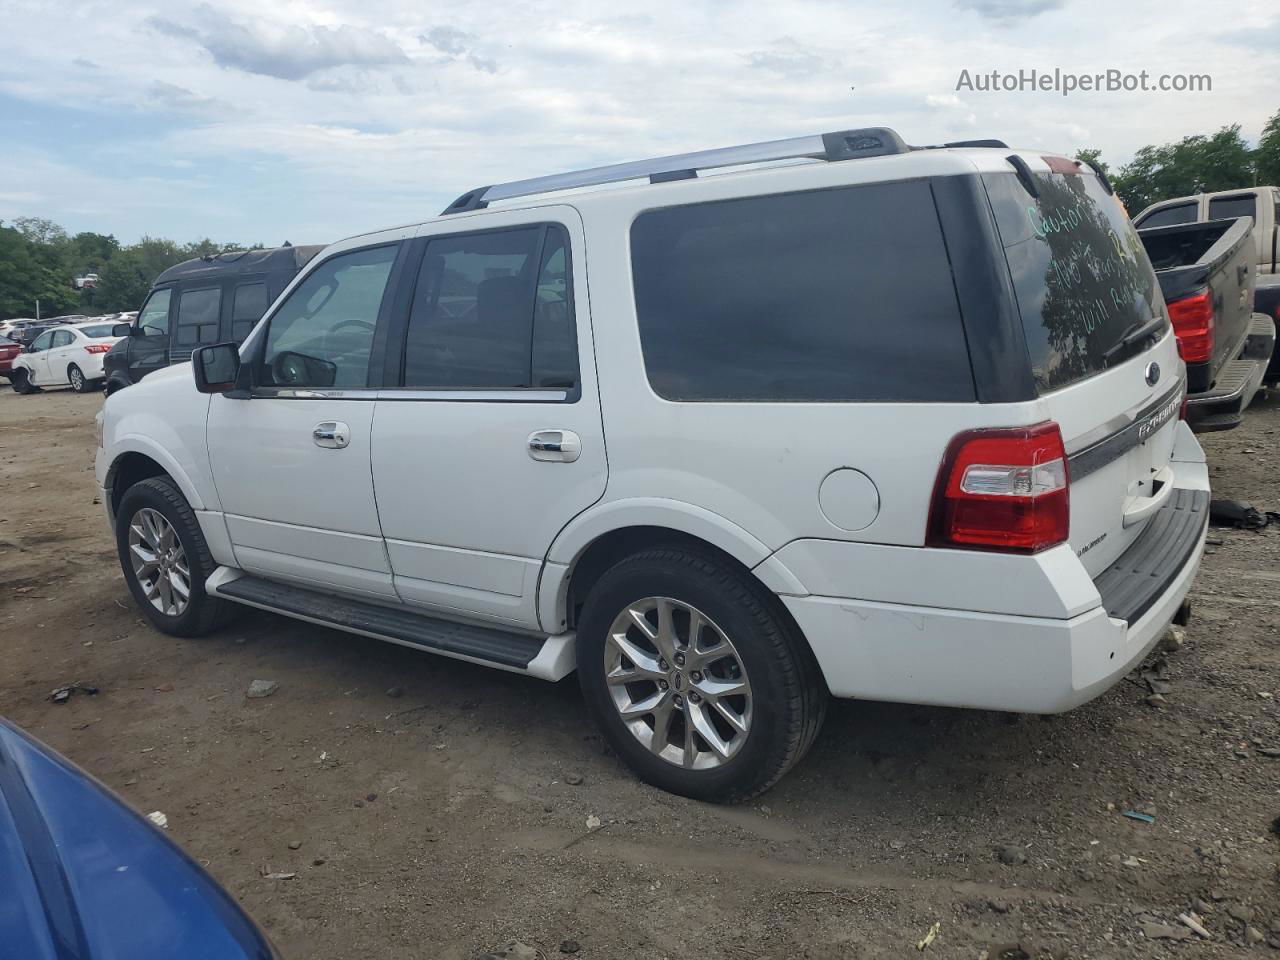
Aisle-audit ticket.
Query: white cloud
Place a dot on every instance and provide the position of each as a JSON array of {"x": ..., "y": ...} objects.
[
  {"x": 286, "y": 50},
  {"x": 318, "y": 118}
]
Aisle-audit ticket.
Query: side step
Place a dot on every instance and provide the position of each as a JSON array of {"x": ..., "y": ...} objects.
[{"x": 548, "y": 657}]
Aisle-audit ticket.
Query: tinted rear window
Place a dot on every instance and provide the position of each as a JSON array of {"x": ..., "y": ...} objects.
[
  {"x": 1241, "y": 205},
  {"x": 834, "y": 295},
  {"x": 1167, "y": 216},
  {"x": 1081, "y": 275},
  {"x": 98, "y": 331}
]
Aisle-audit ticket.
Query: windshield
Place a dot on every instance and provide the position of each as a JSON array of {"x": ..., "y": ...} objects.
[
  {"x": 1080, "y": 273},
  {"x": 98, "y": 331}
]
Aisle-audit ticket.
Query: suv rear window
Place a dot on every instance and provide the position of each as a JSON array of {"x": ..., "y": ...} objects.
[
  {"x": 824, "y": 295},
  {"x": 1081, "y": 275}
]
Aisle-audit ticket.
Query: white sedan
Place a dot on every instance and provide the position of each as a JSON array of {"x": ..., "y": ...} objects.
[{"x": 64, "y": 356}]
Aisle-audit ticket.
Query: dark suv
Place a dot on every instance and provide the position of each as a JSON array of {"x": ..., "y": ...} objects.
[{"x": 206, "y": 300}]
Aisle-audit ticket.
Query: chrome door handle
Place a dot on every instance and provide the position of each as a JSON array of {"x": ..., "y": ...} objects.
[
  {"x": 560, "y": 445},
  {"x": 331, "y": 433}
]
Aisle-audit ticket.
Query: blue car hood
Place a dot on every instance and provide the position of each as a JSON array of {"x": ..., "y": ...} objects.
[{"x": 83, "y": 877}]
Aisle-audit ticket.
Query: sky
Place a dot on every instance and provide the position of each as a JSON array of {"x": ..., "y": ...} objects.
[{"x": 250, "y": 122}]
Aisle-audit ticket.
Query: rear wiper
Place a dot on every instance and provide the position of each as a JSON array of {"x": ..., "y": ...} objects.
[{"x": 1135, "y": 334}]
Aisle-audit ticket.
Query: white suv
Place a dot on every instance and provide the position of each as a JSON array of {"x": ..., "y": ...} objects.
[{"x": 852, "y": 418}]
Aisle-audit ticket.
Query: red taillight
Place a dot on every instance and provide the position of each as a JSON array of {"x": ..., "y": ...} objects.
[
  {"x": 1193, "y": 324},
  {"x": 1004, "y": 489},
  {"x": 97, "y": 348}
]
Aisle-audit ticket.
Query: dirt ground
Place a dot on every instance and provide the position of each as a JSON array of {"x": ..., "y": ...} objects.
[{"x": 441, "y": 822}]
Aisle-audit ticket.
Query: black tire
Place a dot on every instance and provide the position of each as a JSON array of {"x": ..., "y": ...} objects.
[
  {"x": 21, "y": 381},
  {"x": 84, "y": 385},
  {"x": 789, "y": 694},
  {"x": 203, "y": 613}
]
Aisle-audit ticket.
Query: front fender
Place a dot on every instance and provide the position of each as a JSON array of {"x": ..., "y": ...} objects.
[
  {"x": 162, "y": 418},
  {"x": 172, "y": 465}
]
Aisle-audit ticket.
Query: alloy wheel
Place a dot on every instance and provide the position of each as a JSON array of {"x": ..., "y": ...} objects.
[
  {"x": 77, "y": 379},
  {"x": 159, "y": 562},
  {"x": 678, "y": 683}
]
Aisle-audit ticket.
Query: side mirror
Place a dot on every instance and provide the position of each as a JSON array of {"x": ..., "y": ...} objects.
[
  {"x": 122, "y": 330},
  {"x": 216, "y": 367}
]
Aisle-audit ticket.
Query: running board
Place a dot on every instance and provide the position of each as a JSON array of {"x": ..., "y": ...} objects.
[{"x": 550, "y": 658}]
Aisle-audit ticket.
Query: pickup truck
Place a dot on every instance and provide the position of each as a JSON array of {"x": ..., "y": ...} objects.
[
  {"x": 1260, "y": 203},
  {"x": 1207, "y": 276}
]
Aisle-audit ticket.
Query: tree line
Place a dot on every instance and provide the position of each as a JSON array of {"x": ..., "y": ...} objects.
[
  {"x": 1203, "y": 163},
  {"x": 39, "y": 260}
]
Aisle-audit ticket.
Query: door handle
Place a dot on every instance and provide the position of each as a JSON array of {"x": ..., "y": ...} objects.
[
  {"x": 331, "y": 433},
  {"x": 564, "y": 446}
]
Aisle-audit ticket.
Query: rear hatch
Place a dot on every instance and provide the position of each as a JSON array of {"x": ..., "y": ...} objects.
[{"x": 1102, "y": 352}]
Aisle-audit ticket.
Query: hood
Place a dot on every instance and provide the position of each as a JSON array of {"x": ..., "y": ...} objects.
[{"x": 86, "y": 878}]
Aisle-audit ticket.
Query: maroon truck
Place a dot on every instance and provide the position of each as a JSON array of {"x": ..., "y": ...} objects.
[{"x": 8, "y": 351}]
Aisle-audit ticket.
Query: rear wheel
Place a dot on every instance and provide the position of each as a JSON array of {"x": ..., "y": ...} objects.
[
  {"x": 79, "y": 382},
  {"x": 21, "y": 380},
  {"x": 698, "y": 681},
  {"x": 165, "y": 559}
]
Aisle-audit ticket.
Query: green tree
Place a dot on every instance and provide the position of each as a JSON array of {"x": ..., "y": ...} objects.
[
  {"x": 1091, "y": 155},
  {"x": 1198, "y": 164},
  {"x": 1267, "y": 156},
  {"x": 26, "y": 276}
]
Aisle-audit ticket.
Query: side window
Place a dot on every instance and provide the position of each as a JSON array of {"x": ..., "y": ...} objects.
[
  {"x": 823, "y": 295},
  {"x": 61, "y": 338},
  {"x": 42, "y": 342},
  {"x": 153, "y": 319},
  {"x": 247, "y": 308},
  {"x": 555, "y": 343},
  {"x": 1240, "y": 205},
  {"x": 1167, "y": 216},
  {"x": 493, "y": 311},
  {"x": 198, "y": 312},
  {"x": 322, "y": 335}
]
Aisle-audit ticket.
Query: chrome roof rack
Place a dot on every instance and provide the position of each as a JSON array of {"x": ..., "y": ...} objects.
[{"x": 841, "y": 145}]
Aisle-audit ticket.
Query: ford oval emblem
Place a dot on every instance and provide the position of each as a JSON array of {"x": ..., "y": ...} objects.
[{"x": 1153, "y": 373}]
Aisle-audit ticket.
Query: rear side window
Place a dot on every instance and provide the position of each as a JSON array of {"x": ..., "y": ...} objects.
[
  {"x": 836, "y": 295},
  {"x": 198, "y": 312},
  {"x": 1240, "y": 205},
  {"x": 493, "y": 310},
  {"x": 1167, "y": 216},
  {"x": 1081, "y": 275},
  {"x": 247, "y": 308}
]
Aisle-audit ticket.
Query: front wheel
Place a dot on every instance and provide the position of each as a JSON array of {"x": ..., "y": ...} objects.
[
  {"x": 165, "y": 559},
  {"x": 79, "y": 383},
  {"x": 21, "y": 380},
  {"x": 696, "y": 678}
]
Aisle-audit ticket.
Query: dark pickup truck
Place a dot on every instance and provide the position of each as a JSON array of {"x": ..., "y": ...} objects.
[
  {"x": 1207, "y": 275},
  {"x": 1266, "y": 300}
]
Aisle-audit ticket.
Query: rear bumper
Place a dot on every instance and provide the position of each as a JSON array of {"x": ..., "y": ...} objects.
[
  {"x": 1223, "y": 406},
  {"x": 1003, "y": 661}
]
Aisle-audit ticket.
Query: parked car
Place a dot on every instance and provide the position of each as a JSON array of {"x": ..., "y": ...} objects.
[
  {"x": 1260, "y": 203},
  {"x": 1206, "y": 274},
  {"x": 64, "y": 356},
  {"x": 201, "y": 301},
  {"x": 9, "y": 350},
  {"x": 85, "y": 876},
  {"x": 873, "y": 428},
  {"x": 10, "y": 328}
]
